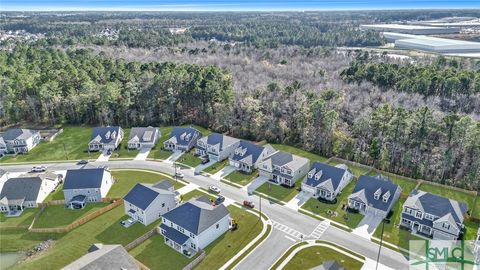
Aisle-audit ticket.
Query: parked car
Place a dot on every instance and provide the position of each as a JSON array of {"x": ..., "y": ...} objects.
[
  {"x": 205, "y": 160},
  {"x": 82, "y": 162},
  {"x": 219, "y": 200},
  {"x": 248, "y": 204},
  {"x": 39, "y": 168},
  {"x": 179, "y": 175},
  {"x": 214, "y": 189}
]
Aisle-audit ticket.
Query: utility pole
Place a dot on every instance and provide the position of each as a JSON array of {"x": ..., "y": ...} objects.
[
  {"x": 175, "y": 166},
  {"x": 260, "y": 206},
  {"x": 381, "y": 242},
  {"x": 65, "y": 151}
]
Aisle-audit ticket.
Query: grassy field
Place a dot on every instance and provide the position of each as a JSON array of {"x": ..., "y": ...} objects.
[
  {"x": 356, "y": 170},
  {"x": 322, "y": 209},
  {"x": 299, "y": 152},
  {"x": 212, "y": 169},
  {"x": 196, "y": 193},
  {"x": 19, "y": 239},
  {"x": 313, "y": 256},
  {"x": 22, "y": 221},
  {"x": 241, "y": 177},
  {"x": 71, "y": 144},
  {"x": 103, "y": 229},
  {"x": 59, "y": 216},
  {"x": 123, "y": 151},
  {"x": 279, "y": 192},
  {"x": 406, "y": 185},
  {"x": 449, "y": 193},
  {"x": 190, "y": 159},
  {"x": 125, "y": 180},
  {"x": 476, "y": 208}
]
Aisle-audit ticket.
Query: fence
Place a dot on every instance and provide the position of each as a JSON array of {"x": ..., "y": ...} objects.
[
  {"x": 78, "y": 222},
  {"x": 141, "y": 239},
  {"x": 196, "y": 261}
]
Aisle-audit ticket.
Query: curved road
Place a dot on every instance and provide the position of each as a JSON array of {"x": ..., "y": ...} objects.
[{"x": 279, "y": 240}]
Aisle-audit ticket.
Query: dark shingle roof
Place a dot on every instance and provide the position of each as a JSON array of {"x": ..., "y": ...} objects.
[
  {"x": 174, "y": 235},
  {"x": 178, "y": 131},
  {"x": 328, "y": 172},
  {"x": 142, "y": 196},
  {"x": 163, "y": 184},
  {"x": 250, "y": 149},
  {"x": 220, "y": 139},
  {"x": 17, "y": 133},
  {"x": 84, "y": 178},
  {"x": 197, "y": 215},
  {"x": 20, "y": 188},
  {"x": 104, "y": 257},
  {"x": 281, "y": 158},
  {"x": 143, "y": 134},
  {"x": 370, "y": 185},
  {"x": 100, "y": 133}
]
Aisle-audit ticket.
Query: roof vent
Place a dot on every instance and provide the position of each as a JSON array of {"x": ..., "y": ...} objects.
[{"x": 107, "y": 135}]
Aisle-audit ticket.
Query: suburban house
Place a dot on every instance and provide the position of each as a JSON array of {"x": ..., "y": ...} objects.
[
  {"x": 374, "y": 195},
  {"x": 26, "y": 191},
  {"x": 182, "y": 139},
  {"x": 86, "y": 185},
  {"x": 217, "y": 146},
  {"x": 247, "y": 156},
  {"x": 146, "y": 203},
  {"x": 105, "y": 138},
  {"x": 326, "y": 181},
  {"x": 19, "y": 140},
  {"x": 194, "y": 225},
  {"x": 101, "y": 256},
  {"x": 143, "y": 137},
  {"x": 3, "y": 147},
  {"x": 283, "y": 168},
  {"x": 434, "y": 216}
]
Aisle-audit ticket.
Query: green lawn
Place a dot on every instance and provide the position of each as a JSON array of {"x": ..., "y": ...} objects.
[
  {"x": 56, "y": 195},
  {"x": 299, "y": 152},
  {"x": 19, "y": 239},
  {"x": 103, "y": 229},
  {"x": 212, "y": 169},
  {"x": 190, "y": 159},
  {"x": 278, "y": 192},
  {"x": 356, "y": 170},
  {"x": 22, "y": 221},
  {"x": 196, "y": 193},
  {"x": 322, "y": 209},
  {"x": 123, "y": 151},
  {"x": 313, "y": 256},
  {"x": 406, "y": 185},
  {"x": 241, "y": 177},
  {"x": 449, "y": 193},
  {"x": 74, "y": 138},
  {"x": 60, "y": 216},
  {"x": 476, "y": 208},
  {"x": 156, "y": 255},
  {"x": 125, "y": 180}
]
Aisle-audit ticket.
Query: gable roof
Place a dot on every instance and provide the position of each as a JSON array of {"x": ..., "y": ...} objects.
[
  {"x": 222, "y": 140},
  {"x": 142, "y": 195},
  {"x": 18, "y": 133},
  {"x": 163, "y": 184},
  {"x": 142, "y": 134},
  {"x": 436, "y": 205},
  {"x": 328, "y": 173},
  {"x": 367, "y": 186},
  {"x": 104, "y": 257},
  {"x": 197, "y": 214},
  {"x": 102, "y": 134},
  {"x": 22, "y": 188},
  {"x": 281, "y": 158},
  {"x": 183, "y": 135},
  {"x": 248, "y": 152},
  {"x": 84, "y": 178},
  {"x": 2, "y": 143}
]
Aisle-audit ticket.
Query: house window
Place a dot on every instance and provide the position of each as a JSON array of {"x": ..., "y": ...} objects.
[
  {"x": 446, "y": 226},
  {"x": 192, "y": 235},
  {"x": 418, "y": 214},
  {"x": 429, "y": 217},
  {"x": 216, "y": 226},
  {"x": 163, "y": 204},
  {"x": 404, "y": 220},
  {"x": 192, "y": 245}
]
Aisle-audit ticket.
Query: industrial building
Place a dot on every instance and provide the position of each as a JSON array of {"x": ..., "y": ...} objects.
[{"x": 411, "y": 29}]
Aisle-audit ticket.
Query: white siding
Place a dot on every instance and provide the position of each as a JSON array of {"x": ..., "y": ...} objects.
[
  {"x": 107, "y": 183},
  {"x": 212, "y": 233}
]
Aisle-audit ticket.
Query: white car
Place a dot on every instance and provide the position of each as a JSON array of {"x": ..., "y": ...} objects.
[
  {"x": 179, "y": 175},
  {"x": 39, "y": 168},
  {"x": 213, "y": 188}
]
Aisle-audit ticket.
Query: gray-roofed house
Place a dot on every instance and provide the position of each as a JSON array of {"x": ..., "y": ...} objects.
[
  {"x": 26, "y": 191},
  {"x": 247, "y": 156},
  {"x": 434, "y": 216},
  {"x": 105, "y": 138},
  {"x": 217, "y": 146},
  {"x": 329, "y": 265},
  {"x": 19, "y": 140},
  {"x": 193, "y": 225},
  {"x": 86, "y": 185},
  {"x": 182, "y": 139},
  {"x": 283, "y": 168},
  {"x": 326, "y": 181},
  {"x": 143, "y": 137},
  {"x": 374, "y": 195},
  {"x": 102, "y": 256},
  {"x": 146, "y": 203}
]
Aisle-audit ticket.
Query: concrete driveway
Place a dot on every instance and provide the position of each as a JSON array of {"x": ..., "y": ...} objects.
[
  {"x": 143, "y": 154},
  {"x": 257, "y": 182},
  {"x": 202, "y": 167},
  {"x": 299, "y": 200},
  {"x": 104, "y": 156},
  {"x": 367, "y": 226},
  {"x": 223, "y": 172},
  {"x": 176, "y": 155}
]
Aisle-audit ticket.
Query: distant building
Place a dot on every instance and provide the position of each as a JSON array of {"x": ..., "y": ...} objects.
[
  {"x": 217, "y": 146},
  {"x": 101, "y": 256},
  {"x": 86, "y": 185},
  {"x": 247, "y": 156},
  {"x": 326, "y": 181},
  {"x": 411, "y": 29},
  {"x": 143, "y": 137},
  {"x": 283, "y": 168},
  {"x": 105, "y": 138},
  {"x": 19, "y": 141},
  {"x": 182, "y": 139}
]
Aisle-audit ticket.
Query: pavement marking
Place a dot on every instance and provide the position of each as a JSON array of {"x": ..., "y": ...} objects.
[
  {"x": 292, "y": 232},
  {"x": 289, "y": 238},
  {"x": 320, "y": 229}
]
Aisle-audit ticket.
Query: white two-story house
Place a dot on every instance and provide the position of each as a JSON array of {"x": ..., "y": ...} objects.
[
  {"x": 105, "y": 138},
  {"x": 283, "y": 168},
  {"x": 182, "y": 139},
  {"x": 247, "y": 156},
  {"x": 216, "y": 146},
  {"x": 146, "y": 203},
  {"x": 143, "y": 137},
  {"x": 192, "y": 226},
  {"x": 86, "y": 185},
  {"x": 19, "y": 141},
  {"x": 325, "y": 181},
  {"x": 434, "y": 216}
]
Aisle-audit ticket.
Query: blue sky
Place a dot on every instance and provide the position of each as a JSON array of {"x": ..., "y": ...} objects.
[{"x": 233, "y": 5}]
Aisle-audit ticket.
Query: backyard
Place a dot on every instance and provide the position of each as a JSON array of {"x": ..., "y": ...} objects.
[
  {"x": 60, "y": 216},
  {"x": 126, "y": 180},
  {"x": 279, "y": 192},
  {"x": 406, "y": 185},
  {"x": 299, "y": 152},
  {"x": 24, "y": 220},
  {"x": 242, "y": 178},
  {"x": 356, "y": 170}
]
